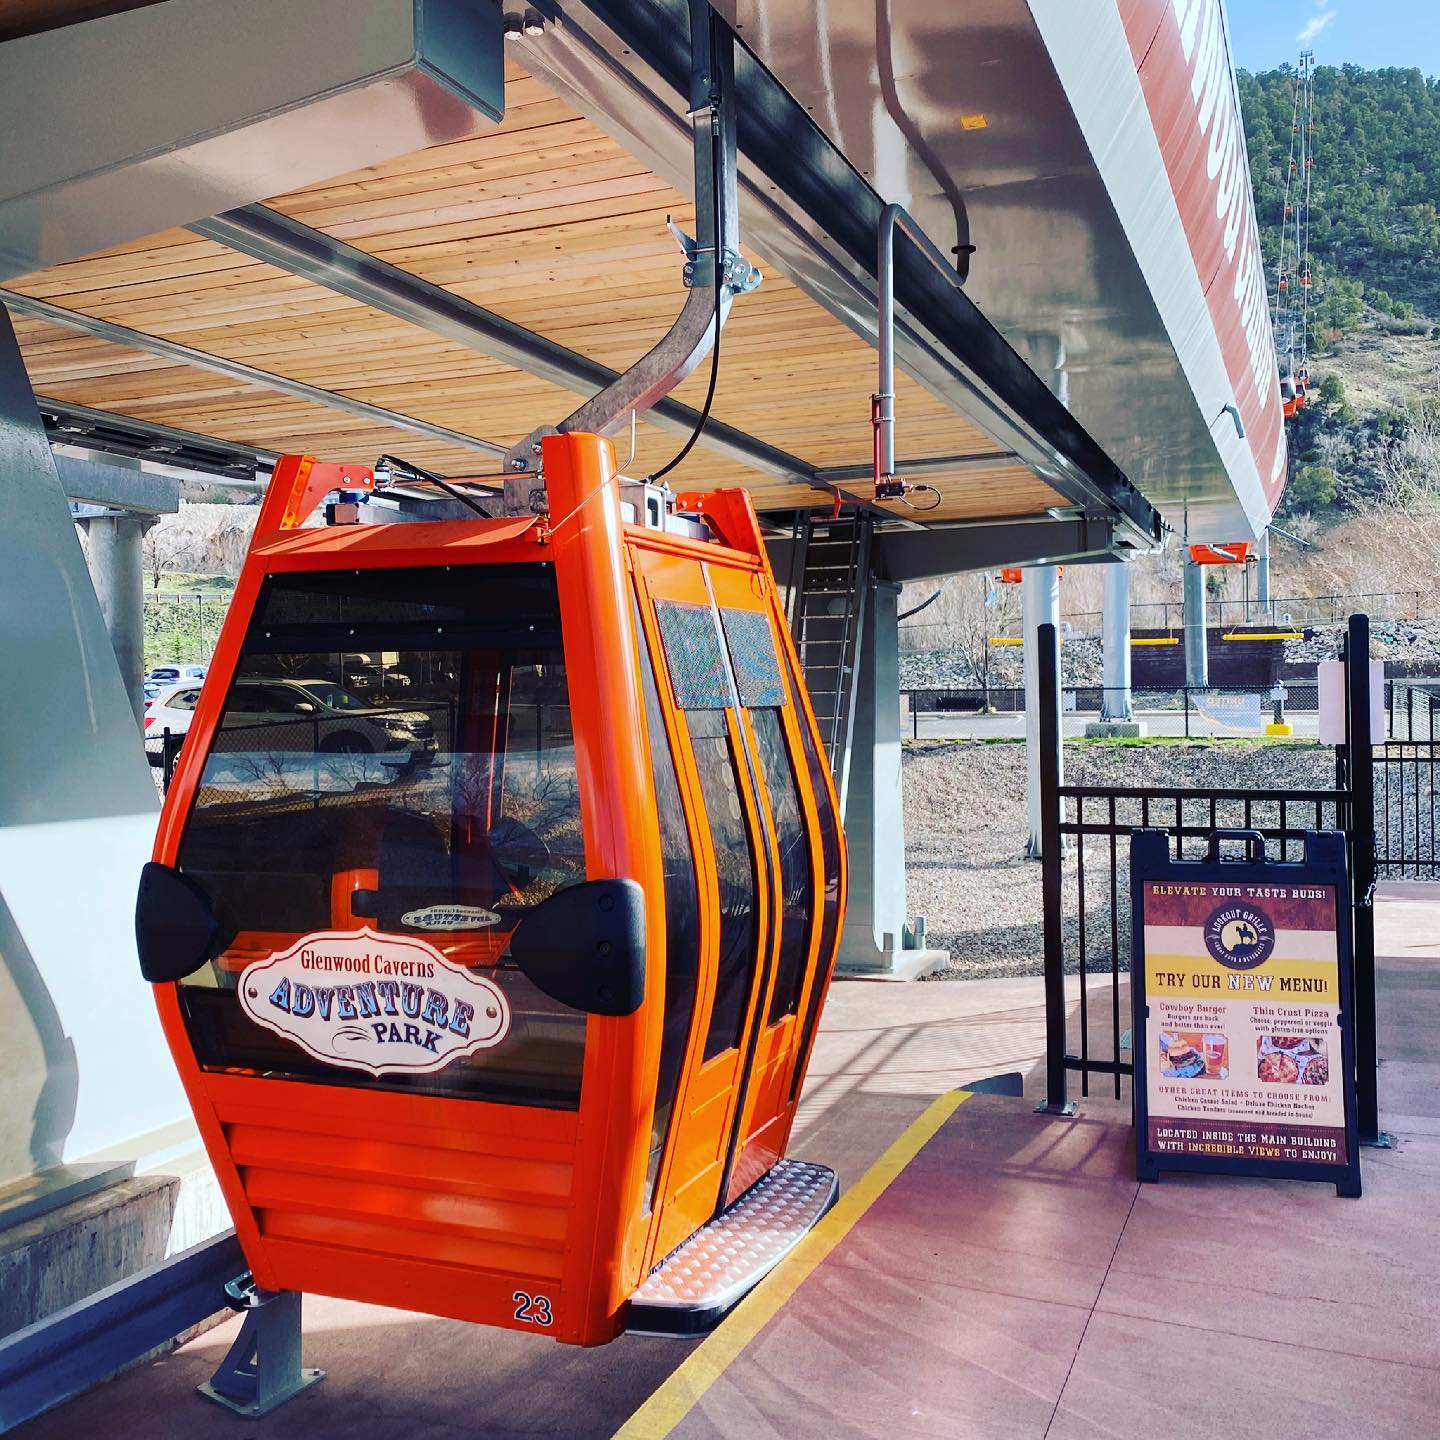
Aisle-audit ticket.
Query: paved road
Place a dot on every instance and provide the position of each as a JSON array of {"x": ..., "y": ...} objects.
[{"x": 1012, "y": 725}]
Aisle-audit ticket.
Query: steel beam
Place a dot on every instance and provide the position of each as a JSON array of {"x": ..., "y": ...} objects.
[
  {"x": 930, "y": 465},
  {"x": 906, "y": 556},
  {"x": 625, "y": 64},
  {"x": 265, "y": 234},
  {"x": 122, "y": 125},
  {"x": 68, "y": 424},
  {"x": 119, "y": 486},
  {"x": 57, "y": 1358},
  {"x": 236, "y": 370}
]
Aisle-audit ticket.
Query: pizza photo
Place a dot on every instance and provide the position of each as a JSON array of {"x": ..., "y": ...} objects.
[{"x": 1278, "y": 1068}]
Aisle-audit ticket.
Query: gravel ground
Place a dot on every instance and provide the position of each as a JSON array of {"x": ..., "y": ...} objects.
[{"x": 965, "y": 836}]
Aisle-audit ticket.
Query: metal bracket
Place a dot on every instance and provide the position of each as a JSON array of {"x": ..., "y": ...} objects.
[
  {"x": 717, "y": 218},
  {"x": 262, "y": 1369}
]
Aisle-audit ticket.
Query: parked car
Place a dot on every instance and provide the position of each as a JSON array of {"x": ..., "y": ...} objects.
[
  {"x": 271, "y": 713},
  {"x": 274, "y": 714},
  {"x": 170, "y": 708},
  {"x": 162, "y": 675}
]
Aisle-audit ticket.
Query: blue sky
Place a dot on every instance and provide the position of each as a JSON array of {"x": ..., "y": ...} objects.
[{"x": 1372, "y": 33}]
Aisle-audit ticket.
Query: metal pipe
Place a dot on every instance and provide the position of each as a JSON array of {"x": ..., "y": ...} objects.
[
  {"x": 882, "y": 413},
  {"x": 1040, "y": 608}
]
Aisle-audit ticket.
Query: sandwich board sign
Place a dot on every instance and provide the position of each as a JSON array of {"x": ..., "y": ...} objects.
[{"x": 1244, "y": 1030}]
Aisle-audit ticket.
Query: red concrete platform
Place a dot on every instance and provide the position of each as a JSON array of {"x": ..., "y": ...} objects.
[{"x": 992, "y": 1274}]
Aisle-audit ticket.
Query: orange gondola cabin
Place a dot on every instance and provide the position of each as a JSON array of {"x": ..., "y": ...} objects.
[{"x": 494, "y": 902}]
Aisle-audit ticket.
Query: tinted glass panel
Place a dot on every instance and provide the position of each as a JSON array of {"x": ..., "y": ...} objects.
[
  {"x": 797, "y": 886},
  {"x": 735, "y": 867},
  {"x": 395, "y": 753},
  {"x": 682, "y": 917},
  {"x": 830, "y": 899}
]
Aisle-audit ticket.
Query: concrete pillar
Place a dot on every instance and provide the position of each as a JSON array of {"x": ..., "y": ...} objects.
[
  {"x": 119, "y": 576},
  {"x": 1197, "y": 660},
  {"x": 877, "y": 939},
  {"x": 1039, "y": 605},
  {"x": 1115, "y": 638}
]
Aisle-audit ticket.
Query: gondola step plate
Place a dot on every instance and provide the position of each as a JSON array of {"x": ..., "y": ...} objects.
[{"x": 696, "y": 1286}]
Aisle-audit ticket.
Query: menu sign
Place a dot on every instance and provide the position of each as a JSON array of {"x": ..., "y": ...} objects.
[{"x": 1242, "y": 1025}]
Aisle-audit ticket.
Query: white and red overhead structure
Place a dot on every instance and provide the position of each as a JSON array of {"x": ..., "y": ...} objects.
[{"x": 1097, "y": 153}]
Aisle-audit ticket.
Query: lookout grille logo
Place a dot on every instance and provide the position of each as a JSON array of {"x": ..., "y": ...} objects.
[
  {"x": 1240, "y": 937},
  {"x": 388, "y": 1004}
]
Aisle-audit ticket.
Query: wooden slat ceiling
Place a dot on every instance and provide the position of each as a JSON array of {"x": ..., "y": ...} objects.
[{"x": 542, "y": 219}]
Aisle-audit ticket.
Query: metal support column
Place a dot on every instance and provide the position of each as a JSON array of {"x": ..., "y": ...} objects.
[
  {"x": 1197, "y": 660},
  {"x": 118, "y": 573},
  {"x": 1262, "y": 571},
  {"x": 1115, "y": 633},
  {"x": 262, "y": 1369},
  {"x": 1117, "y": 716},
  {"x": 1039, "y": 605},
  {"x": 877, "y": 941},
  {"x": 1360, "y": 765},
  {"x": 714, "y": 270},
  {"x": 1046, "y": 644}
]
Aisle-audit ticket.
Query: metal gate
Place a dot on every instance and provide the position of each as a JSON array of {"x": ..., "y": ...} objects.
[{"x": 1075, "y": 817}]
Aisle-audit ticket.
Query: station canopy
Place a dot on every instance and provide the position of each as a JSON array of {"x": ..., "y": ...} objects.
[{"x": 251, "y": 329}]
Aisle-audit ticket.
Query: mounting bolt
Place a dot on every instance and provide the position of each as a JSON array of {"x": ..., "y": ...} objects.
[
  {"x": 534, "y": 23},
  {"x": 519, "y": 463}
]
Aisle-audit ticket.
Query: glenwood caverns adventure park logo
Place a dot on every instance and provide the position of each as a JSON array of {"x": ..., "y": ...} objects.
[{"x": 382, "y": 1003}]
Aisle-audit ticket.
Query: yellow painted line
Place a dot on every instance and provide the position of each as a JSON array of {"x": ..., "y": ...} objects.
[
  {"x": 1159, "y": 640},
  {"x": 1007, "y": 640},
  {"x": 680, "y": 1393},
  {"x": 1266, "y": 635}
]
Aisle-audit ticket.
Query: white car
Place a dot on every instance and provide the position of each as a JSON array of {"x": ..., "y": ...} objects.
[
  {"x": 292, "y": 716},
  {"x": 170, "y": 708},
  {"x": 308, "y": 715}
]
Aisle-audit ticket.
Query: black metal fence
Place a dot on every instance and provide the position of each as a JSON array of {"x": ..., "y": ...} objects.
[
  {"x": 1412, "y": 709},
  {"x": 1094, "y": 827},
  {"x": 162, "y": 751},
  {"x": 1406, "y": 809},
  {"x": 1085, "y": 841}
]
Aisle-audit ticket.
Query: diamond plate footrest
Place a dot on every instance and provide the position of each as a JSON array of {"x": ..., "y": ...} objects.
[{"x": 701, "y": 1282}]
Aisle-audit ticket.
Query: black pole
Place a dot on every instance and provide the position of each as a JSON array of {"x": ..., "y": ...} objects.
[
  {"x": 1360, "y": 753},
  {"x": 1047, "y": 647}
]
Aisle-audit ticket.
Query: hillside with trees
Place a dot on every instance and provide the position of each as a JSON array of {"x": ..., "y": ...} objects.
[{"x": 1367, "y": 442}]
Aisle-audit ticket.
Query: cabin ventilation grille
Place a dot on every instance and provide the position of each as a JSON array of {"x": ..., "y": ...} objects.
[
  {"x": 752, "y": 653},
  {"x": 692, "y": 655}
]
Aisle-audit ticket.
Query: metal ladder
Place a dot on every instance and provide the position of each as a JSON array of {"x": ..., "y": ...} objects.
[{"x": 829, "y": 574}]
